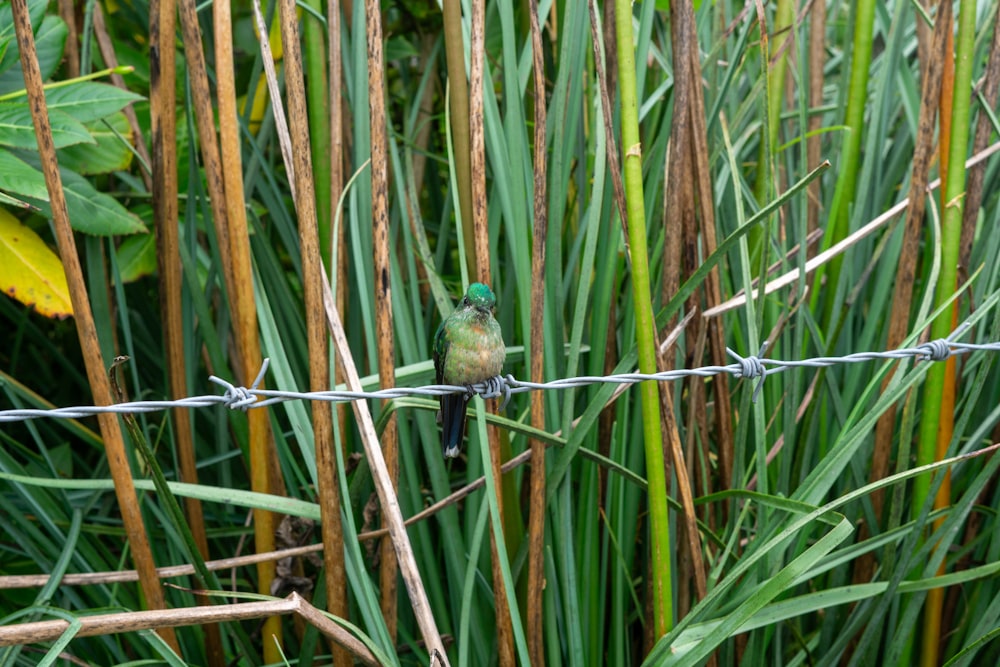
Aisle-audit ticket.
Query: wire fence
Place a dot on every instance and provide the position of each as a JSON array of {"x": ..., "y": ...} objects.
[{"x": 757, "y": 366}]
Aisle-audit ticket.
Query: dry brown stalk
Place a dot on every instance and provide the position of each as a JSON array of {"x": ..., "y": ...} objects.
[
  {"x": 163, "y": 620},
  {"x": 314, "y": 284},
  {"x": 383, "y": 486},
  {"x": 480, "y": 267},
  {"x": 114, "y": 443},
  {"x": 163, "y": 119},
  {"x": 536, "y": 518},
  {"x": 383, "y": 287}
]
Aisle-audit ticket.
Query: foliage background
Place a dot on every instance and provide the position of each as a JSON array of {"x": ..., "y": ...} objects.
[{"x": 802, "y": 564}]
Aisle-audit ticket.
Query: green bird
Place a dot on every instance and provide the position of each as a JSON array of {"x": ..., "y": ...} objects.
[{"x": 468, "y": 349}]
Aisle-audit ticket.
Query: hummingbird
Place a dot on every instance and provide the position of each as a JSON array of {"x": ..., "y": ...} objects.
[{"x": 468, "y": 349}]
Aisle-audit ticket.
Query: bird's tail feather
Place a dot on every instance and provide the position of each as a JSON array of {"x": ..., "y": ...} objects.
[{"x": 453, "y": 409}]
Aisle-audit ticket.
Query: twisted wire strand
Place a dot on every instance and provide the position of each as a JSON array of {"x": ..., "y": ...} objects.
[{"x": 756, "y": 366}]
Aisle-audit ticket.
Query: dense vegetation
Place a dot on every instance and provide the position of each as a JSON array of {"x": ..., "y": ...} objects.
[{"x": 617, "y": 182}]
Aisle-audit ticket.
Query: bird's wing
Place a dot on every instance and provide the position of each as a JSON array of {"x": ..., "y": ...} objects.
[{"x": 440, "y": 351}]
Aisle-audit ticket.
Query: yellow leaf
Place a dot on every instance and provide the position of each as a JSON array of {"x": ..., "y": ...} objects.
[{"x": 29, "y": 271}]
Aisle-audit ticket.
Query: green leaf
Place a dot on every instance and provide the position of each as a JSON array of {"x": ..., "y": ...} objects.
[
  {"x": 19, "y": 177},
  {"x": 137, "y": 257},
  {"x": 88, "y": 101},
  {"x": 17, "y": 130},
  {"x": 211, "y": 494},
  {"x": 93, "y": 212},
  {"x": 10, "y": 57},
  {"x": 50, "y": 40},
  {"x": 109, "y": 153}
]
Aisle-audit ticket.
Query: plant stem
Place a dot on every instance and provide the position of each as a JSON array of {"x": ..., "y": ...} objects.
[
  {"x": 939, "y": 390},
  {"x": 644, "y": 321}
]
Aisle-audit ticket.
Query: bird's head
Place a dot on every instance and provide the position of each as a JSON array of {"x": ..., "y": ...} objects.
[{"x": 480, "y": 297}]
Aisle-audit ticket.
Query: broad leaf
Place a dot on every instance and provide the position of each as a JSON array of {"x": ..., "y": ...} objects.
[
  {"x": 18, "y": 131},
  {"x": 19, "y": 177},
  {"x": 109, "y": 153},
  {"x": 88, "y": 101},
  {"x": 137, "y": 257},
  {"x": 11, "y": 58},
  {"x": 90, "y": 211},
  {"x": 50, "y": 40},
  {"x": 29, "y": 271}
]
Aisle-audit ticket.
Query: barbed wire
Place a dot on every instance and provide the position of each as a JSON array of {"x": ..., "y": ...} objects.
[{"x": 757, "y": 366}]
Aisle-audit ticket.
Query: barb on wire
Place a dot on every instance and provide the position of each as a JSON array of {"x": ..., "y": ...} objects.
[
  {"x": 242, "y": 398},
  {"x": 751, "y": 367}
]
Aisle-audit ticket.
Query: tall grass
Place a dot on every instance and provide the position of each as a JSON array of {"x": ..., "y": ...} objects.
[{"x": 780, "y": 538}]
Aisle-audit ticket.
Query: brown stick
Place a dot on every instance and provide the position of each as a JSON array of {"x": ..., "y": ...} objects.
[
  {"x": 481, "y": 269},
  {"x": 326, "y": 459},
  {"x": 338, "y": 254},
  {"x": 163, "y": 184},
  {"x": 164, "y": 620},
  {"x": 314, "y": 284},
  {"x": 265, "y": 473},
  {"x": 692, "y": 194},
  {"x": 383, "y": 288},
  {"x": 387, "y": 499},
  {"x": 713, "y": 290},
  {"x": 67, "y": 12},
  {"x": 201, "y": 100},
  {"x": 817, "y": 58},
  {"x": 114, "y": 443},
  {"x": 614, "y": 166},
  {"x": 536, "y": 518}
]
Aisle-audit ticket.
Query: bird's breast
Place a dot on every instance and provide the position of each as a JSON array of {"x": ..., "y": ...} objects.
[{"x": 474, "y": 355}]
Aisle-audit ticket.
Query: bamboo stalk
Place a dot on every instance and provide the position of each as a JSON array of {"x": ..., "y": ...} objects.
[
  {"x": 114, "y": 443},
  {"x": 645, "y": 326},
  {"x": 163, "y": 124},
  {"x": 194, "y": 56}
]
